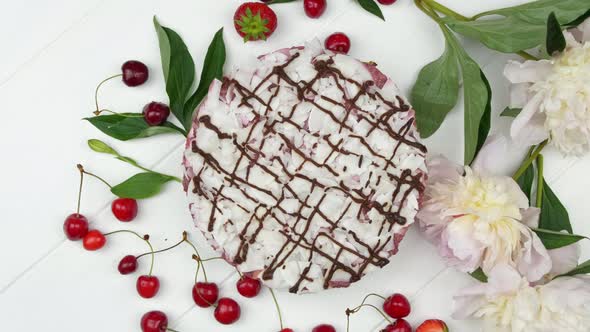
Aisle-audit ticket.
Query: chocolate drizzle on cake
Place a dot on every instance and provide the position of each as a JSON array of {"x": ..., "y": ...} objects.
[{"x": 361, "y": 198}]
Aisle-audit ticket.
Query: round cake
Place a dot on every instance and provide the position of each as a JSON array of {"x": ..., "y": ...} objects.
[{"x": 304, "y": 170}]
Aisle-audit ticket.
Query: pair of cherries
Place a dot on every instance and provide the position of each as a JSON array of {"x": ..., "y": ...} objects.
[{"x": 227, "y": 311}]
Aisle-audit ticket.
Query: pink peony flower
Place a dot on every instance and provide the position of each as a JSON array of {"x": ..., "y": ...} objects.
[{"x": 477, "y": 219}]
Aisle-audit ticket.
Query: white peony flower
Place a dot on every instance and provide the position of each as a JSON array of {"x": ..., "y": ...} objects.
[
  {"x": 509, "y": 303},
  {"x": 554, "y": 96},
  {"x": 480, "y": 220}
]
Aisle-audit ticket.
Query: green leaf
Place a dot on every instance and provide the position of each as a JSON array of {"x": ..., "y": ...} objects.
[
  {"x": 371, "y": 7},
  {"x": 164, "y": 48},
  {"x": 212, "y": 69},
  {"x": 486, "y": 119},
  {"x": 142, "y": 185},
  {"x": 536, "y": 12},
  {"x": 475, "y": 98},
  {"x": 436, "y": 91},
  {"x": 101, "y": 147},
  {"x": 525, "y": 181},
  {"x": 554, "y": 240},
  {"x": 579, "y": 20},
  {"x": 179, "y": 70},
  {"x": 511, "y": 112},
  {"x": 583, "y": 268},
  {"x": 126, "y": 126},
  {"x": 479, "y": 275},
  {"x": 554, "y": 216},
  {"x": 508, "y": 35},
  {"x": 555, "y": 39}
]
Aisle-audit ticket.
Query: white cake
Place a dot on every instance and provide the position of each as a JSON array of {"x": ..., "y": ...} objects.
[{"x": 306, "y": 170}]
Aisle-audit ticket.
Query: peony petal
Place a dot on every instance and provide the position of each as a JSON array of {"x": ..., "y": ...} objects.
[
  {"x": 530, "y": 217},
  {"x": 464, "y": 251},
  {"x": 564, "y": 259},
  {"x": 585, "y": 29},
  {"x": 534, "y": 261},
  {"x": 499, "y": 156},
  {"x": 528, "y": 71},
  {"x": 528, "y": 128},
  {"x": 519, "y": 94},
  {"x": 441, "y": 169}
]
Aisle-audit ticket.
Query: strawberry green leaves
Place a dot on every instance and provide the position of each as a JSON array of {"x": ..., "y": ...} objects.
[
  {"x": 436, "y": 91},
  {"x": 371, "y": 7},
  {"x": 555, "y": 38},
  {"x": 126, "y": 126},
  {"x": 435, "y": 94},
  {"x": 142, "y": 185},
  {"x": 179, "y": 71}
]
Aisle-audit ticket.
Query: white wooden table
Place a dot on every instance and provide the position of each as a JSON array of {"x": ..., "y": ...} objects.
[{"x": 53, "y": 55}]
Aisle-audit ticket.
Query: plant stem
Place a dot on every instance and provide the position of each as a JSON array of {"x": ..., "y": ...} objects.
[
  {"x": 446, "y": 10},
  {"x": 81, "y": 169},
  {"x": 98, "y": 87},
  {"x": 357, "y": 308},
  {"x": 171, "y": 330},
  {"x": 274, "y": 298},
  {"x": 529, "y": 160},
  {"x": 540, "y": 181},
  {"x": 428, "y": 11}
]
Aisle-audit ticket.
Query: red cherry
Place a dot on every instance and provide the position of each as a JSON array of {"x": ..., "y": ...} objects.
[
  {"x": 134, "y": 73},
  {"x": 397, "y": 306},
  {"x": 400, "y": 325},
  {"x": 76, "y": 226},
  {"x": 248, "y": 287},
  {"x": 155, "y": 113},
  {"x": 124, "y": 209},
  {"x": 287, "y": 330},
  {"x": 338, "y": 42},
  {"x": 324, "y": 328},
  {"x": 148, "y": 286},
  {"x": 94, "y": 240},
  {"x": 433, "y": 325},
  {"x": 128, "y": 264},
  {"x": 205, "y": 294},
  {"x": 227, "y": 311},
  {"x": 314, "y": 8},
  {"x": 154, "y": 321},
  {"x": 387, "y": 2}
]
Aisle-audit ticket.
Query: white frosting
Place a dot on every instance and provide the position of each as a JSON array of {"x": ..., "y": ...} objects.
[{"x": 261, "y": 201}]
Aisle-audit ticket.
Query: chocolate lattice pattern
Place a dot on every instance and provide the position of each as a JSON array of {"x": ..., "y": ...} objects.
[{"x": 303, "y": 177}]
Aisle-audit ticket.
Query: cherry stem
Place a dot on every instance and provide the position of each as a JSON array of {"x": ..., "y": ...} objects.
[
  {"x": 83, "y": 171},
  {"x": 363, "y": 304},
  {"x": 200, "y": 261},
  {"x": 98, "y": 87},
  {"x": 98, "y": 112},
  {"x": 80, "y": 189},
  {"x": 274, "y": 298},
  {"x": 146, "y": 238},
  {"x": 540, "y": 181},
  {"x": 171, "y": 330},
  {"x": 532, "y": 156},
  {"x": 165, "y": 249}
]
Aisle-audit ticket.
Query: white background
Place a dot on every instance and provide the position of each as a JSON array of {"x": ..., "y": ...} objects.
[{"x": 52, "y": 56}]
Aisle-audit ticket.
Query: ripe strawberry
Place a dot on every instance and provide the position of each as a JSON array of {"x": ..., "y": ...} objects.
[
  {"x": 255, "y": 21},
  {"x": 433, "y": 325}
]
